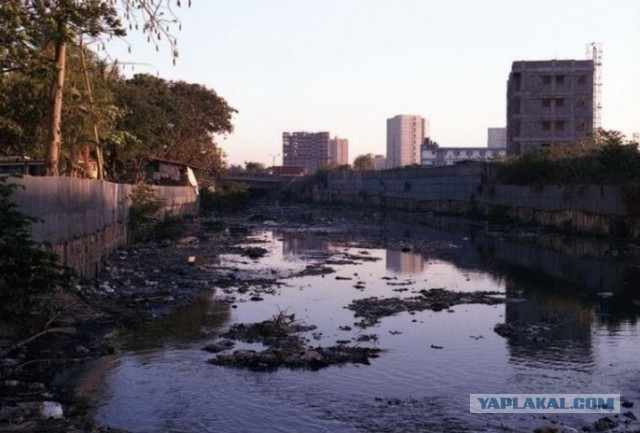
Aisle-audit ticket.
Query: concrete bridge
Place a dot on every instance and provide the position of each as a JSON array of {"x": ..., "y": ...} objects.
[{"x": 259, "y": 182}]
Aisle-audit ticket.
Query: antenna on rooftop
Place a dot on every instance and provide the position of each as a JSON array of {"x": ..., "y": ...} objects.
[{"x": 594, "y": 52}]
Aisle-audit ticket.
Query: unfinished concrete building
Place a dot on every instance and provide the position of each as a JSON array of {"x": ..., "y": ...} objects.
[
  {"x": 309, "y": 150},
  {"x": 549, "y": 103}
]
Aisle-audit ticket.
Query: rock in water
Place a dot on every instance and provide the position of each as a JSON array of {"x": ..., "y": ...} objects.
[{"x": 51, "y": 410}]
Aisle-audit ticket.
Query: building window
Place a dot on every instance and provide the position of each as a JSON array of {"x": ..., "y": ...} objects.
[
  {"x": 545, "y": 145},
  {"x": 546, "y": 125},
  {"x": 546, "y": 79},
  {"x": 582, "y": 79},
  {"x": 559, "y": 79},
  {"x": 546, "y": 102},
  {"x": 559, "y": 125},
  {"x": 581, "y": 125},
  {"x": 559, "y": 102},
  {"x": 517, "y": 80},
  {"x": 580, "y": 103}
]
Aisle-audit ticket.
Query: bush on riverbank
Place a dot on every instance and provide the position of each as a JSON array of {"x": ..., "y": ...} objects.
[
  {"x": 145, "y": 222},
  {"x": 228, "y": 197},
  {"x": 143, "y": 213},
  {"x": 28, "y": 274},
  {"x": 606, "y": 158}
]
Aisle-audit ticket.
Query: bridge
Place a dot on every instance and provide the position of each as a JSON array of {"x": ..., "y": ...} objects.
[{"x": 263, "y": 182}]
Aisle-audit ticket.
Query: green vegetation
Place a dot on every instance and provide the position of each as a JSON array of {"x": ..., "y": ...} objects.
[
  {"x": 607, "y": 158},
  {"x": 143, "y": 213},
  {"x": 228, "y": 197},
  {"x": 145, "y": 222},
  {"x": 363, "y": 162},
  {"x": 28, "y": 274},
  {"x": 60, "y": 102}
]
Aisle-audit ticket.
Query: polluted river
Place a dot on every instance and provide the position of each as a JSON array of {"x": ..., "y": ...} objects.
[{"x": 359, "y": 322}]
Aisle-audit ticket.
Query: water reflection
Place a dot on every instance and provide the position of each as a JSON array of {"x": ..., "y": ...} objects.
[
  {"x": 295, "y": 244},
  {"x": 549, "y": 330},
  {"x": 573, "y": 320},
  {"x": 402, "y": 262},
  {"x": 190, "y": 323}
]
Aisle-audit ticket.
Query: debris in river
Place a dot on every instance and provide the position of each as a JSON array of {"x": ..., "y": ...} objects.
[
  {"x": 254, "y": 252},
  {"x": 315, "y": 269},
  {"x": 537, "y": 332},
  {"x": 286, "y": 348},
  {"x": 371, "y": 310},
  {"x": 296, "y": 357}
]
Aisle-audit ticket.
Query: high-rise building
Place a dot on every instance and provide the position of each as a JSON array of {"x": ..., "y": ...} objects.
[
  {"x": 497, "y": 138},
  {"x": 549, "y": 103},
  {"x": 309, "y": 150},
  {"x": 339, "y": 151},
  {"x": 405, "y": 134}
]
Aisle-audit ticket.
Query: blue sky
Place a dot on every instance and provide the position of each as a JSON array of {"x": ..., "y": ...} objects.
[{"x": 345, "y": 66}]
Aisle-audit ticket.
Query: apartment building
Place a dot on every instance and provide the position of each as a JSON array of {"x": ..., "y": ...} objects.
[
  {"x": 405, "y": 134},
  {"x": 549, "y": 103},
  {"x": 309, "y": 150},
  {"x": 339, "y": 151}
]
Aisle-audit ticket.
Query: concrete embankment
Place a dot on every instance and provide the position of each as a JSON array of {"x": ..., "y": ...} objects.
[
  {"x": 467, "y": 190},
  {"x": 84, "y": 220}
]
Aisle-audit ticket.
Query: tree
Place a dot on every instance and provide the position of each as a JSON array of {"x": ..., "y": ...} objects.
[
  {"x": 201, "y": 114},
  {"x": 606, "y": 157},
  {"x": 255, "y": 167},
  {"x": 31, "y": 28},
  {"x": 144, "y": 128},
  {"x": 177, "y": 121},
  {"x": 23, "y": 116},
  {"x": 363, "y": 162}
]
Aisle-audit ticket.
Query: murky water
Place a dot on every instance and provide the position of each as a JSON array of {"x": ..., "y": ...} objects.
[{"x": 589, "y": 343}]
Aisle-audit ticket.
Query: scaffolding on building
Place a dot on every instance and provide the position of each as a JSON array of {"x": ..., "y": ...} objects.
[{"x": 594, "y": 52}]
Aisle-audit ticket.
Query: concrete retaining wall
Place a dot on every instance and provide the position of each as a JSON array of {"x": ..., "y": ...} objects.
[
  {"x": 83, "y": 220},
  {"x": 460, "y": 190}
]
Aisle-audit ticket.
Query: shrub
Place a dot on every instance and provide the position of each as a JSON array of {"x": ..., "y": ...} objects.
[
  {"x": 27, "y": 272},
  {"x": 143, "y": 213},
  {"x": 228, "y": 197},
  {"x": 605, "y": 158}
]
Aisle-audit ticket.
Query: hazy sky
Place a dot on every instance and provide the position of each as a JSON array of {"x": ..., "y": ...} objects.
[{"x": 345, "y": 66}]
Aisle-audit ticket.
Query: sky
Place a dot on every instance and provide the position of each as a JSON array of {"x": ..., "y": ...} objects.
[{"x": 345, "y": 66}]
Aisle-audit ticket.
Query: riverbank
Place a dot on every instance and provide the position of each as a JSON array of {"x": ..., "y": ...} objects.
[
  {"x": 144, "y": 283},
  {"x": 138, "y": 284}
]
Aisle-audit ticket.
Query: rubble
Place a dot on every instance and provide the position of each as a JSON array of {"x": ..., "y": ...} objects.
[
  {"x": 372, "y": 309},
  {"x": 285, "y": 347}
]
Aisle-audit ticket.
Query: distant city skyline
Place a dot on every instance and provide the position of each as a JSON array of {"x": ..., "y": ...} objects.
[{"x": 347, "y": 66}]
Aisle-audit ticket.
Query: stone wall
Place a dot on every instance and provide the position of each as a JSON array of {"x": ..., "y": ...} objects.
[
  {"x": 83, "y": 220},
  {"x": 464, "y": 190}
]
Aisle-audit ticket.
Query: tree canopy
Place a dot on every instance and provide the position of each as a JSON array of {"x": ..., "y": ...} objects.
[
  {"x": 605, "y": 157},
  {"x": 168, "y": 120},
  {"x": 104, "y": 117},
  {"x": 35, "y": 36},
  {"x": 363, "y": 162}
]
